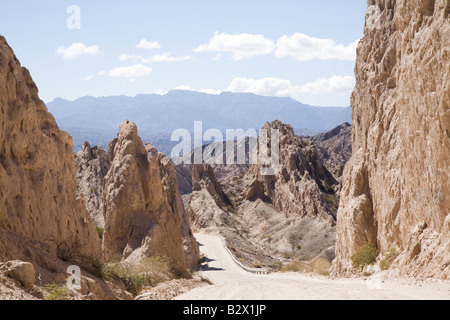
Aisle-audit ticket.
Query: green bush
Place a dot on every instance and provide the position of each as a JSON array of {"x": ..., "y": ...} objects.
[
  {"x": 56, "y": 292},
  {"x": 388, "y": 259},
  {"x": 367, "y": 255},
  {"x": 100, "y": 232}
]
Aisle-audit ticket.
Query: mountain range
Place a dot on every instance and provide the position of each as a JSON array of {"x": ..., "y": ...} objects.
[{"x": 157, "y": 116}]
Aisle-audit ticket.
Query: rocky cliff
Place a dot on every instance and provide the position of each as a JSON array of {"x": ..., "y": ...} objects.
[
  {"x": 92, "y": 167},
  {"x": 38, "y": 205},
  {"x": 142, "y": 216},
  {"x": 396, "y": 189}
]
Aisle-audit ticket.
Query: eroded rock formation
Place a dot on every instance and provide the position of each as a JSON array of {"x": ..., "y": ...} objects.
[
  {"x": 396, "y": 189},
  {"x": 335, "y": 148},
  {"x": 38, "y": 205},
  {"x": 170, "y": 183},
  {"x": 143, "y": 215},
  {"x": 302, "y": 182},
  {"x": 288, "y": 215},
  {"x": 92, "y": 167}
]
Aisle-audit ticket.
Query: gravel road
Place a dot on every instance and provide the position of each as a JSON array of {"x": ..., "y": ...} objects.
[{"x": 230, "y": 282}]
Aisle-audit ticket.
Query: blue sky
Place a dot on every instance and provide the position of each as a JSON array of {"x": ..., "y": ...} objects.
[{"x": 296, "y": 48}]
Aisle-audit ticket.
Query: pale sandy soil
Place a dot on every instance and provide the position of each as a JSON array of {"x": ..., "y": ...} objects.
[{"x": 233, "y": 283}]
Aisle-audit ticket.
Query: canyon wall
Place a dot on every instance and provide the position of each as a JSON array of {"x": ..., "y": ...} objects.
[
  {"x": 38, "y": 205},
  {"x": 396, "y": 187}
]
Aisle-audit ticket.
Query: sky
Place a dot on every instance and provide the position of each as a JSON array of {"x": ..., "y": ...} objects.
[{"x": 288, "y": 48}]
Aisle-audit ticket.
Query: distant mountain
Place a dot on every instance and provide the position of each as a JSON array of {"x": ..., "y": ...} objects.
[{"x": 162, "y": 114}]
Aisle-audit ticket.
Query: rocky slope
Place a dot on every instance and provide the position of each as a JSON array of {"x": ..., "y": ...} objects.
[
  {"x": 396, "y": 186},
  {"x": 92, "y": 165},
  {"x": 45, "y": 228},
  {"x": 209, "y": 207},
  {"x": 38, "y": 206},
  {"x": 336, "y": 148},
  {"x": 140, "y": 213},
  {"x": 215, "y": 155},
  {"x": 286, "y": 216}
]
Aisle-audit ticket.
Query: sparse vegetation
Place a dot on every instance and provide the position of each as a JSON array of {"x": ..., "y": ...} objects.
[
  {"x": 295, "y": 266},
  {"x": 100, "y": 232},
  {"x": 56, "y": 292},
  {"x": 367, "y": 255},
  {"x": 150, "y": 272},
  {"x": 67, "y": 250},
  {"x": 321, "y": 267},
  {"x": 328, "y": 188},
  {"x": 388, "y": 259}
]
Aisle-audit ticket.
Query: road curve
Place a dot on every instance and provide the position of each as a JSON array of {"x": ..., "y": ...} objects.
[{"x": 231, "y": 282}]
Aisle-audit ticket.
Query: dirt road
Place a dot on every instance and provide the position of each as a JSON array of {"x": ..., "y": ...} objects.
[{"x": 233, "y": 283}]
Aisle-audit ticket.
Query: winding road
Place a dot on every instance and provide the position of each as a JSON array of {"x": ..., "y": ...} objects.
[{"x": 231, "y": 282}]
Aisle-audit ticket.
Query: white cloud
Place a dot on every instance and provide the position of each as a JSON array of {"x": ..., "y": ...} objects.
[
  {"x": 166, "y": 57},
  {"x": 284, "y": 88},
  {"x": 189, "y": 88},
  {"x": 145, "y": 44},
  {"x": 335, "y": 84},
  {"x": 217, "y": 57},
  {"x": 126, "y": 57},
  {"x": 88, "y": 78},
  {"x": 77, "y": 50},
  {"x": 161, "y": 92},
  {"x": 243, "y": 46},
  {"x": 304, "y": 48},
  {"x": 130, "y": 72},
  {"x": 264, "y": 87}
]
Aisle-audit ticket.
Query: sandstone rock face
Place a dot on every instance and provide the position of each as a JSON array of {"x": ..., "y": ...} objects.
[
  {"x": 92, "y": 167},
  {"x": 37, "y": 173},
  {"x": 140, "y": 220},
  {"x": 396, "y": 186},
  {"x": 298, "y": 189},
  {"x": 336, "y": 148},
  {"x": 169, "y": 179},
  {"x": 21, "y": 271}
]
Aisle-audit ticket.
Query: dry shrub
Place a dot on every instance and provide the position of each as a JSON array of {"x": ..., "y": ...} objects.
[
  {"x": 149, "y": 273},
  {"x": 321, "y": 266},
  {"x": 296, "y": 266}
]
